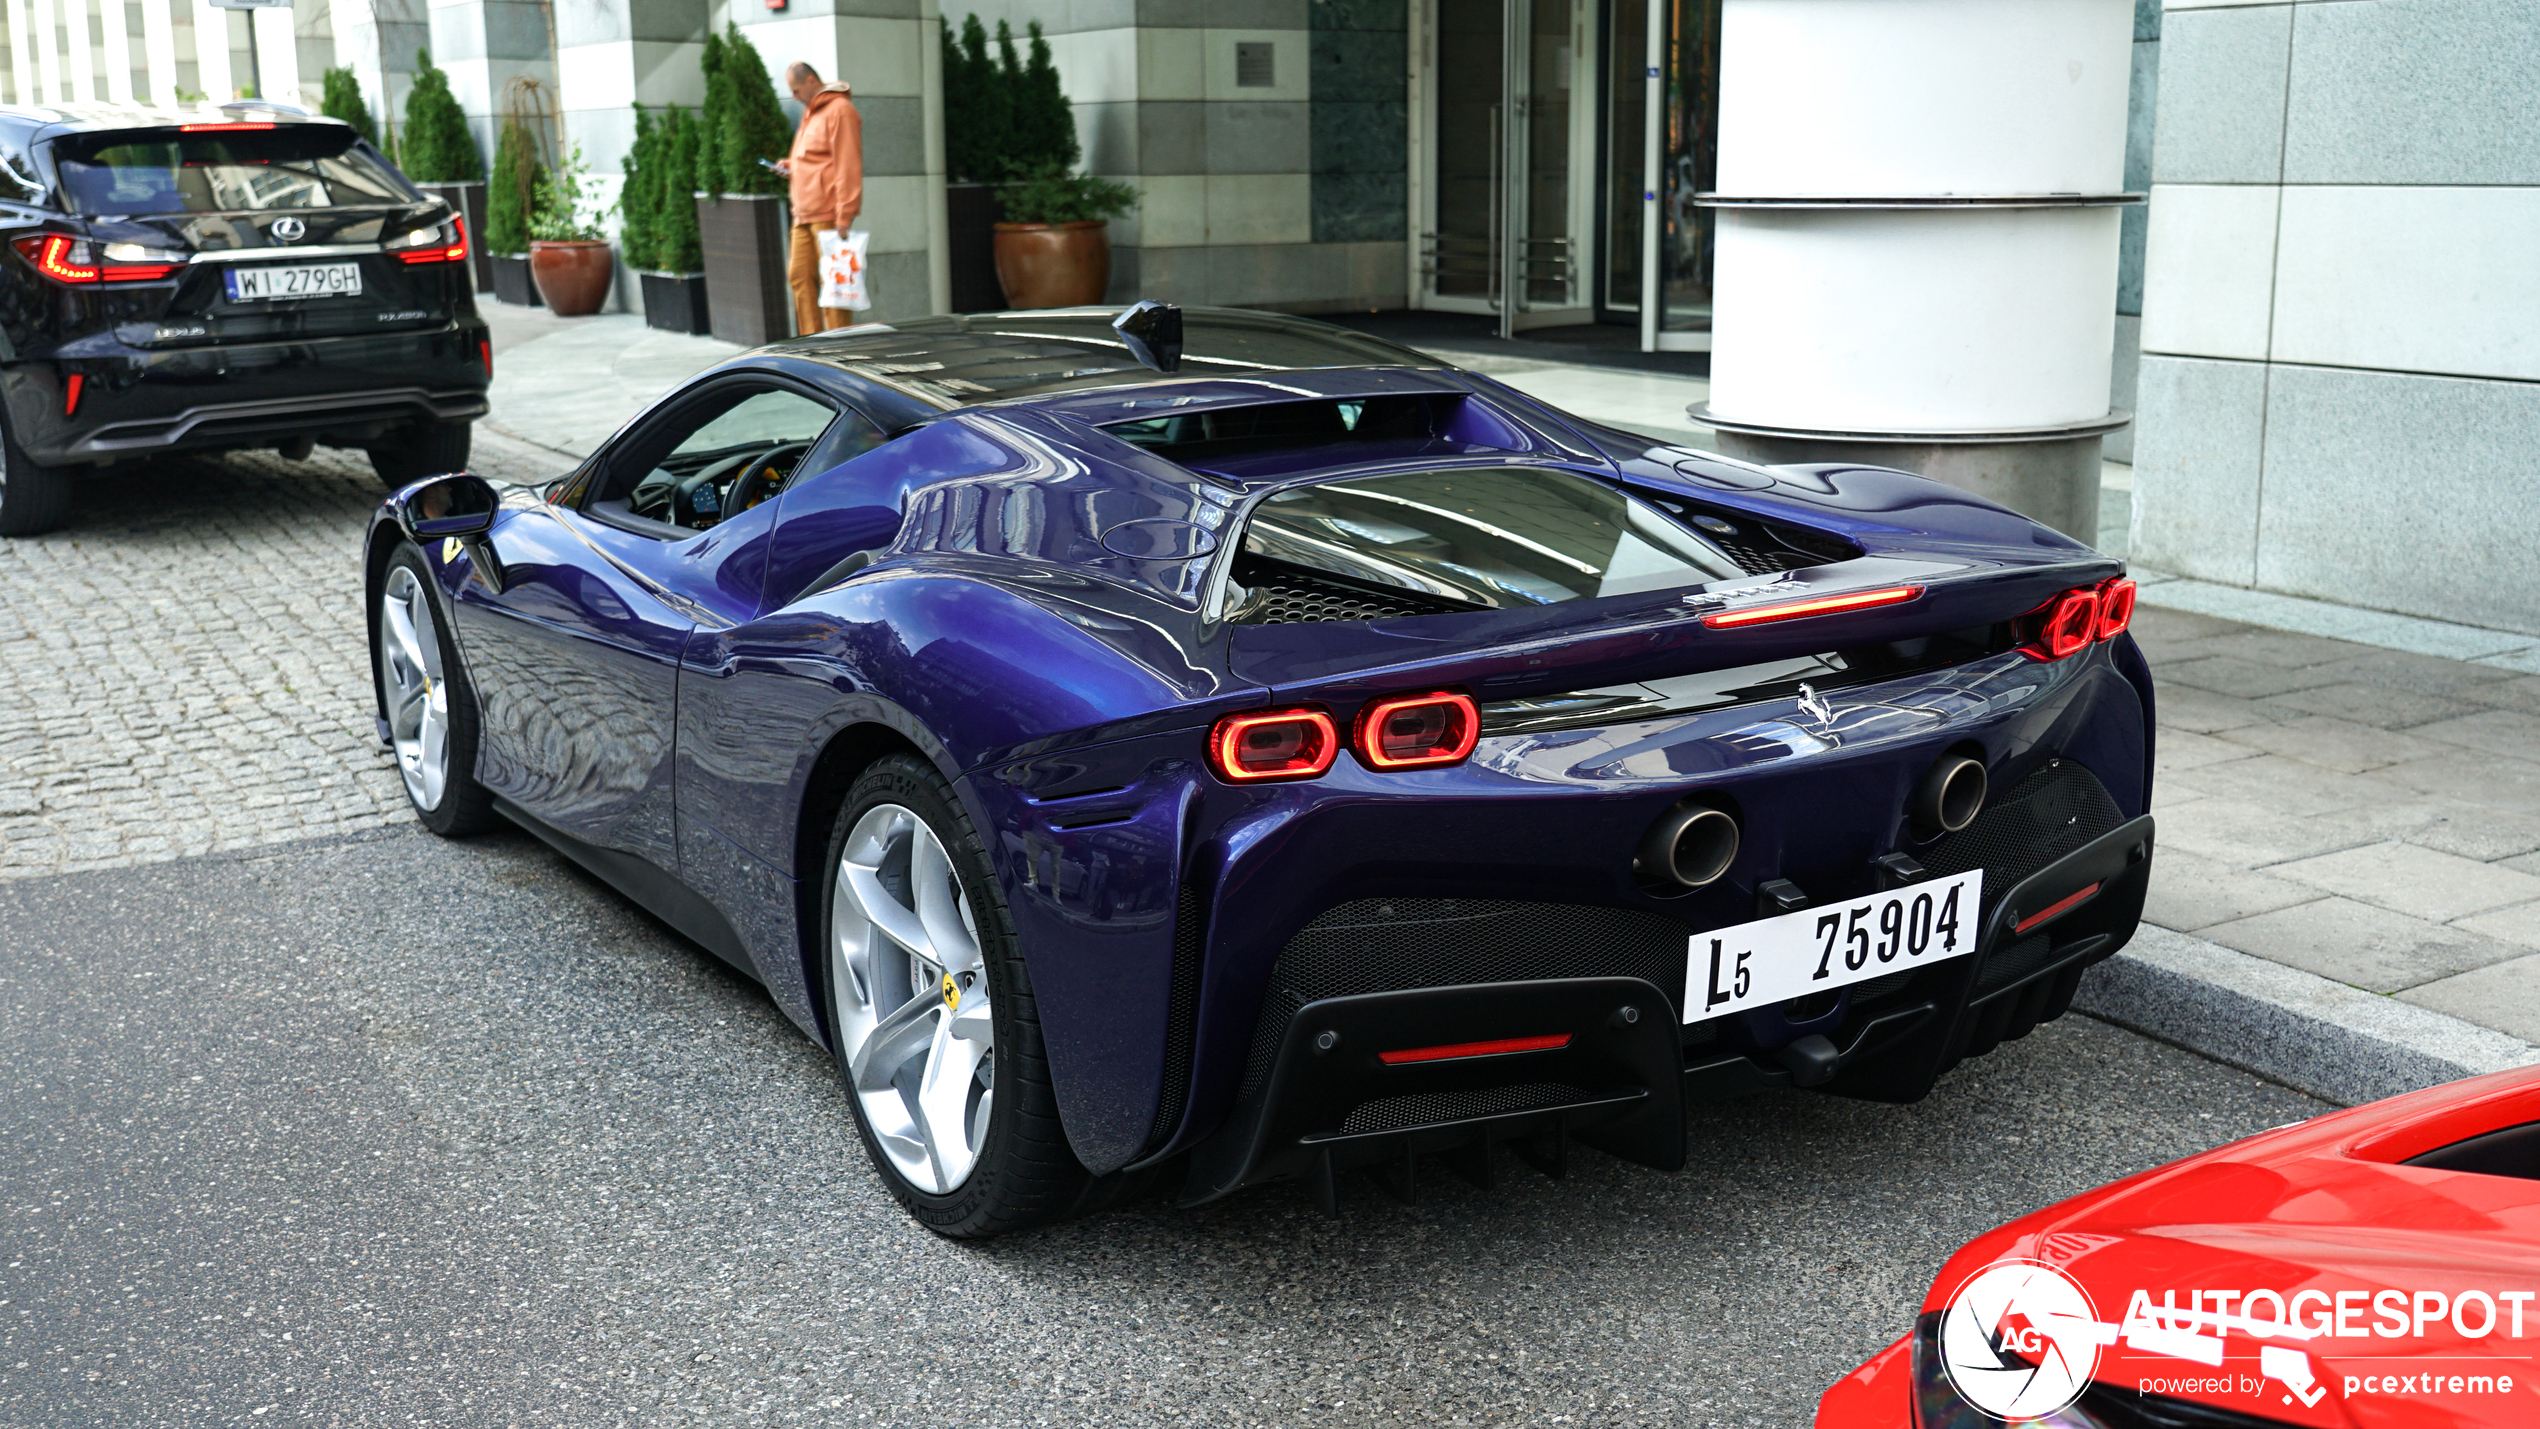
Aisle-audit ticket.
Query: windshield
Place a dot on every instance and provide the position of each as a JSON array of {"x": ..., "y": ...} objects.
[
  {"x": 167, "y": 171},
  {"x": 1498, "y": 537}
]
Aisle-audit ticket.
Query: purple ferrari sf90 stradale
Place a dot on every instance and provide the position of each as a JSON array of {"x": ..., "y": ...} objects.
[{"x": 1224, "y": 748}]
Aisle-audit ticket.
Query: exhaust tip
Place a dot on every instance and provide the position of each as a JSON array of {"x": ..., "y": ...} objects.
[
  {"x": 1691, "y": 845},
  {"x": 1951, "y": 795}
]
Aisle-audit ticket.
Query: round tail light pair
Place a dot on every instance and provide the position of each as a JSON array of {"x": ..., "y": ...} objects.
[{"x": 1422, "y": 731}]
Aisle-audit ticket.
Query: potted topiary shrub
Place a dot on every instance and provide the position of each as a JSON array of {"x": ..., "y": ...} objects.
[
  {"x": 511, "y": 191},
  {"x": 1054, "y": 247},
  {"x": 440, "y": 155},
  {"x": 660, "y": 238},
  {"x": 1003, "y": 119},
  {"x": 740, "y": 201}
]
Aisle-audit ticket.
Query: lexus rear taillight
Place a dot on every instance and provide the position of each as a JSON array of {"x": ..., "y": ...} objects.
[
  {"x": 1815, "y": 605},
  {"x": 446, "y": 244},
  {"x": 60, "y": 257},
  {"x": 1260, "y": 747},
  {"x": 1418, "y": 731},
  {"x": 2074, "y": 620}
]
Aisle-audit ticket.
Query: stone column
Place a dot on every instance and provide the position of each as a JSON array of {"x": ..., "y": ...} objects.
[
  {"x": 890, "y": 51},
  {"x": 609, "y": 59},
  {"x": 1918, "y": 240}
]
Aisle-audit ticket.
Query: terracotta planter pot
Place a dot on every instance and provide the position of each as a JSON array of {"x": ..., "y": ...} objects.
[
  {"x": 1054, "y": 265},
  {"x": 572, "y": 277}
]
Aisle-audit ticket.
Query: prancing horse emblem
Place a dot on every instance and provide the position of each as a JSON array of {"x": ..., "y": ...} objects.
[
  {"x": 1814, "y": 706},
  {"x": 288, "y": 230}
]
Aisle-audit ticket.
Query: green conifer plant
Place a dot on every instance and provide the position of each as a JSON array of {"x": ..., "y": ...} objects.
[
  {"x": 437, "y": 149},
  {"x": 343, "y": 100}
]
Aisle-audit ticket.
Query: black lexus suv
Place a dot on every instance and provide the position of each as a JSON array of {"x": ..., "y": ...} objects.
[{"x": 221, "y": 278}]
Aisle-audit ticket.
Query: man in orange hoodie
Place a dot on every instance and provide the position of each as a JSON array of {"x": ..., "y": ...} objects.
[{"x": 825, "y": 181}]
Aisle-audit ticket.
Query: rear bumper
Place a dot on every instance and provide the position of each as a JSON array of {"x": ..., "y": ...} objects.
[
  {"x": 1621, "y": 1082},
  {"x": 341, "y": 390}
]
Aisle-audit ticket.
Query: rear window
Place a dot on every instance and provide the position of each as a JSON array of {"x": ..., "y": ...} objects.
[
  {"x": 167, "y": 171},
  {"x": 1432, "y": 542}
]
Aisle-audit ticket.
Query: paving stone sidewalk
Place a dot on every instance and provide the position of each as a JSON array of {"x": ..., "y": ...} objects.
[
  {"x": 2364, "y": 814},
  {"x": 183, "y": 668}
]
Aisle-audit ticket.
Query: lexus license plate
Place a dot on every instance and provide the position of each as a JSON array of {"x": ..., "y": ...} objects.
[
  {"x": 1818, "y": 949},
  {"x": 297, "y": 280}
]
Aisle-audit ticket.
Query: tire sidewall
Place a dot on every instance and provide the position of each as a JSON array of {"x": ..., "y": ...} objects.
[{"x": 972, "y": 1207}]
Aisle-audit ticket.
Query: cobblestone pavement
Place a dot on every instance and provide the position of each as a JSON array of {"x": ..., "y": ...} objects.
[
  {"x": 2364, "y": 814},
  {"x": 183, "y": 667}
]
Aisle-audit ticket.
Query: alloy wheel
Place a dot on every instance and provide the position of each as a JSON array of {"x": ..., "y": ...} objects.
[
  {"x": 909, "y": 995},
  {"x": 418, "y": 697}
]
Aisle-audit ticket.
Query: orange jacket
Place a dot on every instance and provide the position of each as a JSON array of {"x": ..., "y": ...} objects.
[{"x": 827, "y": 187}]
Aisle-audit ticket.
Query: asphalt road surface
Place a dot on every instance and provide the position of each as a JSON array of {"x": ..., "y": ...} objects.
[{"x": 394, "y": 1131}]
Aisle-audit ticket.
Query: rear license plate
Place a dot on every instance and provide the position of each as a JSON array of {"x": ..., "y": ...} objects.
[
  {"x": 298, "y": 280},
  {"x": 1819, "y": 949}
]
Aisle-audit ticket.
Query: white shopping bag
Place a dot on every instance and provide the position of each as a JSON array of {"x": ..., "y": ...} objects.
[{"x": 842, "y": 269}]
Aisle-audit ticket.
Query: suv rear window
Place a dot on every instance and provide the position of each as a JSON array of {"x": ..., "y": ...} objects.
[
  {"x": 1430, "y": 542},
  {"x": 167, "y": 171}
]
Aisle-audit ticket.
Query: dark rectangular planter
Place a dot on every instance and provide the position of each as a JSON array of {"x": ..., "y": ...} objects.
[
  {"x": 971, "y": 212},
  {"x": 512, "y": 283},
  {"x": 744, "y": 239},
  {"x": 676, "y": 302},
  {"x": 469, "y": 200}
]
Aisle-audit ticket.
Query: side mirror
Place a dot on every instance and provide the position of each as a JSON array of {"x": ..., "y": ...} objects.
[
  {"x": 461, "y": 504},
  {"x": 1153, "y": 332}
]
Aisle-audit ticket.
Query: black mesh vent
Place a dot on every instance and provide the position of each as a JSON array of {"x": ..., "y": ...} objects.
[
  {"x": 1279, "y": 593},
  {"x": 1758, "y": 557},
  {"x": 1388, "y": 944},
  {"x": 2009, "y": 965},
  {"x": 1865, "y": 993},
  {"x": 1401, "y": 1113},
  {"x": 1181, "y": 1025},
  {"x": 2044, "y": 817}
]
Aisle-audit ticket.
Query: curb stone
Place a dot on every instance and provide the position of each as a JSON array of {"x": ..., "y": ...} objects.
[{"x": 2289, "y": 1026}]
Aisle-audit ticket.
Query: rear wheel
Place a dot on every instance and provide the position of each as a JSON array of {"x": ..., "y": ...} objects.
[
  {"x": 412, "y": 452},
  {"x": 430, "y": 705},
  {"x": 932, "y": 1017},
  {"x": 33, "y": 499}
]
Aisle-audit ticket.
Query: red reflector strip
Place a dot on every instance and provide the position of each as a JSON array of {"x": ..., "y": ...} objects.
[
  {"x": 141, "y": 272},
  {"x": 2056, "y": 909},
  {"x": 70, "y": 393},
  {"x": 1476, "y": 1049},
  {"x": 1821, "y": 605},
  {"x": 220, "y": 128},
  {"x": 485, "y": 354}
]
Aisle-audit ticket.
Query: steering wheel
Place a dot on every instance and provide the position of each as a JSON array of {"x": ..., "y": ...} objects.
[{"x": 764, "y": 476}]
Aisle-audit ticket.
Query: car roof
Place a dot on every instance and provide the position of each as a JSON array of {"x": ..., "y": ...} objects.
[
  {"x": 964, "y": 360},
  {"x": 52, "y": 120}
]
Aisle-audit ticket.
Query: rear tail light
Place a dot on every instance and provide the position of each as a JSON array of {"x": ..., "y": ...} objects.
[
  {"x": 1818, "y": 605},
  {"x": 60, "y": 257},
  {"x": 2116, "y": 607},
  {"x": 1418, "y": 731},
  {"x": 1264, "y": 746},
  {"x": 446, "y": 243},
  {"x": 2071, "y": 622},
  {"x": 2067, "y": 625},
  {"x": 485, "y": 354},
  {"x": 71, "y": 386}
]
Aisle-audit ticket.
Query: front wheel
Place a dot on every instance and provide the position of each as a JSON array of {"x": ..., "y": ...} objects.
[
  {"x": 932, "y": 1018},
  {"x": 430, "y": 705},
  {"x": 412, "y": 452},
  {"x": 33, "y": 499}
]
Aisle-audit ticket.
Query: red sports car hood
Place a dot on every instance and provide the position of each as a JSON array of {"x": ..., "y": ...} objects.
[{"x": 2404, "y": 1294}]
